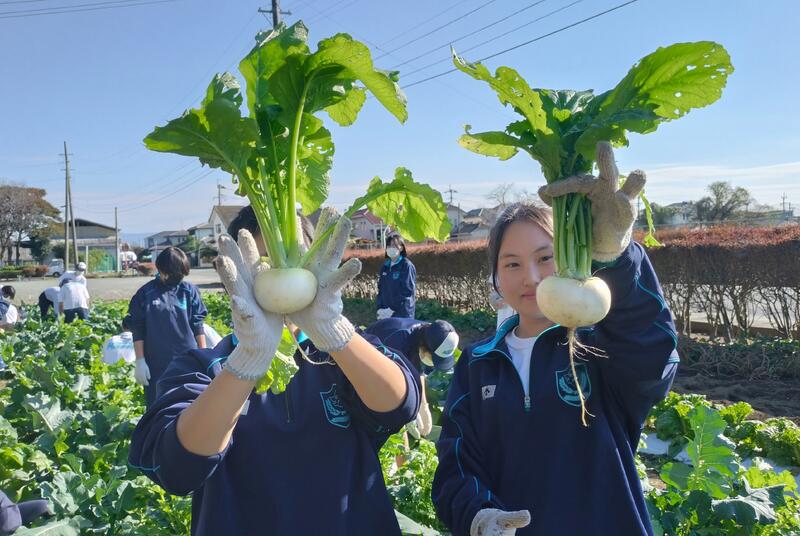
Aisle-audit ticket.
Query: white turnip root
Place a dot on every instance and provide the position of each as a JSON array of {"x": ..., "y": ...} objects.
[{"x": 285, "y": 290}]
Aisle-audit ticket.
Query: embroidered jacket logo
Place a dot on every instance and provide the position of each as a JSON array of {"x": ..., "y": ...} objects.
[
  {"x": 335, "y": 411},
  {"x": 565, "y": 384},
  {"x": 487, "y": 391}
]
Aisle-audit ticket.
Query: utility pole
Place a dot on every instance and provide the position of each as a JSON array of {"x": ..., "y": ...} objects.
[
  {"x": 74, "y": 230},
  {"x": 451, "y": 192},
  {"x": 116, "y": 239},
  {"x": 276, "y": 12},
  {"x": 219, "y": 193},
  {"x": 783, "y": 202},
  {"x": 66, "y": 209}
]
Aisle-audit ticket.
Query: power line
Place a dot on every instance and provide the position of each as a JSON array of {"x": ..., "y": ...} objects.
[
  {"x": 158, "y": 200},
  {"x": 60, "y": 11},
  {"x": 496, "y": 37},
  {"x": 429, "y": 19},
  {"x": 470, "y": 34},
  {"x": 21, "y": 2},
  {"x": 535, "y": 39},
  {"x": 440, "y": 27},
  {"x": 69, "y": 6}
]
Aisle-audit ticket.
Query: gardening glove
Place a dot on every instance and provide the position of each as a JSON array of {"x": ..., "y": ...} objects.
[
  {"x": 384, "y": 313},
  {"x": 142, "y": 372},
  {"x": 258, "y": 332},
  {"x": 613, "y": 212},
  {"x": 322, "y": 320},
  {"x": 424, "y": 420},
  {"x": 494, "y": 522}
]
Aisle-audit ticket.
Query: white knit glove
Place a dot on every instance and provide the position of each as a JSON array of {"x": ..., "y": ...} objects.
[
  {"x": 384, "y": 313},
  {"x": 322, "y": 320},
  {"x": 613, "y": 213},
  {"x": 142, "y": 372},
  {"x": 258, "y": 331},
  {"x": 424, "y": 420},
  {"x": 494, "y": 522}
]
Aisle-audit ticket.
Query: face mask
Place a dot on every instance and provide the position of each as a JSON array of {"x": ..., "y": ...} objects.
[{"x": 393, "y": 253}]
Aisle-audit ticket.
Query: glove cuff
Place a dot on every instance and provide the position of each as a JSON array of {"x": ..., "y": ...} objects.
[
  {"x": 246, "y": 364},
  {"x": 333, "y": 336}
]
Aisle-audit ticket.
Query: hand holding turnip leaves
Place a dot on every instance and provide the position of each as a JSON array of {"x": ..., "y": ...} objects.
[
  {"x": 322, "y": 321},
  {"x": 494, "y": 522},
  {"x": 279, "y": 154},
  {"x": 258, "y": 332},
  {"x": 613, "y": 213},
  {"x": 561, "y": 129}
]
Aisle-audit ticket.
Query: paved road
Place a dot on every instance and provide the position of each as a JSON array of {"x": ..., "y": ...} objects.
[{"x": 110, "y": 288}]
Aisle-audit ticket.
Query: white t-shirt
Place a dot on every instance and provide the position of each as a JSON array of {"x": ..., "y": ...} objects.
[
  {"x": 521, "y": 356},
  {"x": 53, "y": 294},
  {"x": 73, "y": 276},
  {"x": 212, "y": 337},
  {"x": 119, "y": 347},
  {"x": 74, "y": 296},
  {"x": 11, "y": 315}
]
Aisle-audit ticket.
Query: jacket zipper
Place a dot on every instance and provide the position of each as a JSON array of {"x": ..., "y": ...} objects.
[
  {"x": 286, "y": 398},
  {"x": 526, "y": 399}
]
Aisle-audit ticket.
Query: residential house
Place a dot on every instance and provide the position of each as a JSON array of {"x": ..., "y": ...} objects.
[
  {"x": 455, "y": 215},
  {"x": 203, "y": 235},
  {"x": 220, "y": 218},
  {"x": 470, "y": 231},
  {"x": 160, "y": 241},
  {"x": 368, "y": 227}
]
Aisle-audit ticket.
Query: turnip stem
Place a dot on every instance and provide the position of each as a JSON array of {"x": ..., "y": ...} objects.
[{"x": 290, "y": 229}]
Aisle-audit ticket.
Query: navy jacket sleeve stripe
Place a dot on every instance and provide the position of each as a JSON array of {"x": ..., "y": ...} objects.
[
  {"x": 638, "y": 334},
  {"x": 459, "y": 491}
]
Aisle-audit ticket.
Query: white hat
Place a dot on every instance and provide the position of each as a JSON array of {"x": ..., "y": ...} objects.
[{"x": 81, "y": 266}]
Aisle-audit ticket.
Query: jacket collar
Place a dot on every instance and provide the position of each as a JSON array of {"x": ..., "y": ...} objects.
[
  {"x": 498, "y": 341},
  {"x": 389, "y": 262}
]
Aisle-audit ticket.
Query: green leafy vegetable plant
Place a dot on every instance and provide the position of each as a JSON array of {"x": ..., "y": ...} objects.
[
  {"x": 560, "y": 129},
  {"x": 280, "y": 153}
]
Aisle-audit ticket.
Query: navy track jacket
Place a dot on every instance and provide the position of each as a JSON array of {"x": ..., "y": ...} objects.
[
  {"x": 397, "y": 287},
  {"x": 500, "y": 449},
  {"x": 401, "y": 334},
  {"x": 301, "y": 462},
  {"x": 167, "y": 318}
]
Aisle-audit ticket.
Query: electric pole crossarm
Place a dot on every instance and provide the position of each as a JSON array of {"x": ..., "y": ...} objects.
[{"x": 276, "y": 13}]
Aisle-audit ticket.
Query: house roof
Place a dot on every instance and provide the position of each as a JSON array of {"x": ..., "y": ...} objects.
[
  {"x": 164, "y": 234},
  {"x": 205, "y": 225},
  {"x": 467, "y": 228},
  {"x": 226, "y": 213},
  {"x": 454, "y": 207},
  {"x": 80, "y": 222},
  {"x": 366, "y": 214}
]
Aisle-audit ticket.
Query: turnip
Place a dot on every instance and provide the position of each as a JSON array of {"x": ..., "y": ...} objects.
[
  {"x": 280, "y": 154},
  {"x": 285, "y": 290},
  {"x": 560, "y": 130}
]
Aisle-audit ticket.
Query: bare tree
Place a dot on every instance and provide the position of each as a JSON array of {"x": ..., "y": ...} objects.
[{"x": 502, "y": 194}]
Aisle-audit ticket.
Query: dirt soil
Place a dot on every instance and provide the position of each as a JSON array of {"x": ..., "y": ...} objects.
[{"x": 769, "y": 398}]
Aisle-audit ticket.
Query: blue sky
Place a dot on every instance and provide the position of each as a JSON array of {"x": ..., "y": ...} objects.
[{"x": 102, "y": 79}]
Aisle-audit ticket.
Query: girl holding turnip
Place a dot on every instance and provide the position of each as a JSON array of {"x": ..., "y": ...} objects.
[
  {"x": 300, "y": 462},
  {"x": 514, "y": 455}
]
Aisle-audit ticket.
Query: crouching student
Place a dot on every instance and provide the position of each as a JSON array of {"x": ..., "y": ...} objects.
[
  {"x": 301, "y": 462},
  {"x": 514, "y": 457},
  {"x": 120, "y": 347},
  {"x": 428, "y": 346}
]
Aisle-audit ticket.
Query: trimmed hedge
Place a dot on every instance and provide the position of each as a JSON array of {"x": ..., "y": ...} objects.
[{"x": 728, "y": 273}]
